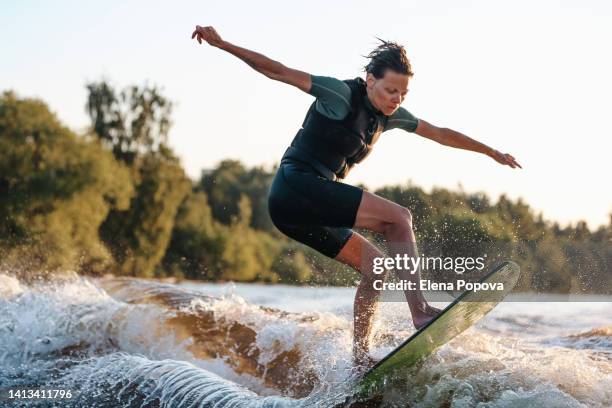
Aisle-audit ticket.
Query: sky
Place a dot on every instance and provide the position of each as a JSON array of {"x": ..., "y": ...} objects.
[{"x": 528, "y": 78}]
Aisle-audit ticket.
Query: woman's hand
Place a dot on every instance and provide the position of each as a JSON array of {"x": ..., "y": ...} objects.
[
  {"x": 207, "y": 34},
  {"x": 504, "y": 158}
]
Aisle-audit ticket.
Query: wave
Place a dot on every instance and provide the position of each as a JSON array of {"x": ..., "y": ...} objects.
[
  {"x": 598, "y": 340},
  {"x": 131, "y": 342},
  {"x": 121, "y": 379},
  {"x": 287, "y": 351}
]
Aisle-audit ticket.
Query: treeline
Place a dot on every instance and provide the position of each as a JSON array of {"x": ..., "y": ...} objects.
[{"x": 116, "y": 200}]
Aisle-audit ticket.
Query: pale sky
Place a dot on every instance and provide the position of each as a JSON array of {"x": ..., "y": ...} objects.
[{"x": 529, "y": 78}]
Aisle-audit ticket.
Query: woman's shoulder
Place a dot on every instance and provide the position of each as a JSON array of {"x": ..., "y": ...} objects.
[{"x": 333, "y": 96}]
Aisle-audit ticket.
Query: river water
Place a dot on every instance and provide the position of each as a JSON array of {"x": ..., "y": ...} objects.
[{"x": 117, "y": 342}]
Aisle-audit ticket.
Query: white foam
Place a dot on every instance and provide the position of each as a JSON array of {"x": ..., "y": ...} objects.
[{"x": 510, "y": 368}]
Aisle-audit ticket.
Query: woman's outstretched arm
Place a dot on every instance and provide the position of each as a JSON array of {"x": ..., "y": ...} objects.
[
  {"x": 260, "y": 63},
  {"x": 452, "y": 138}
]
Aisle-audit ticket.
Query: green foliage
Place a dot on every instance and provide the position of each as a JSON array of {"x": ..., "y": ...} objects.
[
  {"x": 196, "y": 245},
  {"x": 55, "y": 190},
  {"x": 552, "y": 259},
  {"x": 134, "y": 124},
  {"x": 228, "y": 182},
  {"x": 119, "y": 200},
  {"x": 139, "y": 236},
  {"x": 291, "y": 265},
  {"x": 131, "y": 122},
  {"x": 204, "y": 248},
  {"x": 248, "y": 254}
]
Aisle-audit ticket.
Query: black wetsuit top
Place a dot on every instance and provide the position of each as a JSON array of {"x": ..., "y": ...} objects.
[{"x": 306, "y": 202}]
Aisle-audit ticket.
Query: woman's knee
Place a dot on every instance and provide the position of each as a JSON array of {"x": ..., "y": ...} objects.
[{"x": 401, "y": 219}]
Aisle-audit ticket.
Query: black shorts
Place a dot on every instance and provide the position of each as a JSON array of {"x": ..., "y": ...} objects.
[{"x": 312, "y": 209}]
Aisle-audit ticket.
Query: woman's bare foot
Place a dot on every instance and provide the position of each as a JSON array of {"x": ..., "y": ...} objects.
[{"x": 423, "y": 314}]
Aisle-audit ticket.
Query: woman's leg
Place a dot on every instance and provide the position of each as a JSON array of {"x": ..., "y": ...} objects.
[
  {"x": 359, "y": 254},
  {"x": 320, "y": 213},
  {"x": 395, "y": 222}
]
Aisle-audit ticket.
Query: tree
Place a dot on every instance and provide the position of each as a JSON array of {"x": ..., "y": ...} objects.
[
  {"x": 228, "y": 182},
  {"x": 55, "y": 190},
  {"x": 140, "y": 235},
  {"x": 134, "y": 124},
  {"x": 248, "y": 254},
  {"x": 131, "y": 122},
  {"x": 196, "y": 247}
]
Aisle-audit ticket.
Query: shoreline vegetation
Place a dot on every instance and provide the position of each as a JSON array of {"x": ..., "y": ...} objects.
[{"x": 116, "y": 200}]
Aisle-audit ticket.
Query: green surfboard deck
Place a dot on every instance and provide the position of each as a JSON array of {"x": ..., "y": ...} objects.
[{"x": 461, "y": 314}]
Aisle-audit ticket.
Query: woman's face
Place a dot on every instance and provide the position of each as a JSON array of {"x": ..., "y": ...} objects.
[{"x": 388, "y": 92}]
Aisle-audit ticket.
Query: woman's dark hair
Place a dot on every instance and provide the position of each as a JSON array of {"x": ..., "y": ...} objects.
[{"x": 388, "y": 55}]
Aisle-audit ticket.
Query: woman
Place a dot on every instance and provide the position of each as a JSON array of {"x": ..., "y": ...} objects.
[{"x": 310, "y": 205}]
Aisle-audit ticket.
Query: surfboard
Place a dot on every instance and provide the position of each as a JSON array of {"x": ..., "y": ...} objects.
[{"x": 467, "y": 309}]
